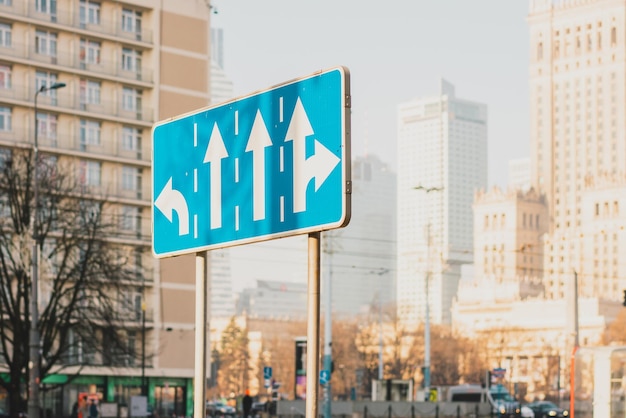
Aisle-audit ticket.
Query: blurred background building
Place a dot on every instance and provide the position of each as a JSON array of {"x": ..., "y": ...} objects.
[{"x": 442, "y": 159}]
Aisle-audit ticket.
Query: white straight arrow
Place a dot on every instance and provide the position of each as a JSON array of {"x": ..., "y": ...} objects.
[
  {"x": 257, "y": 142},
  {"x": 215, "y": 152},
  {"x": 170, "y": 201},
  {"x": 318, "y": 166}
]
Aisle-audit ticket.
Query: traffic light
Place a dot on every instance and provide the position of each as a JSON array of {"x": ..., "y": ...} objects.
[{"x": 624, "y": 302}]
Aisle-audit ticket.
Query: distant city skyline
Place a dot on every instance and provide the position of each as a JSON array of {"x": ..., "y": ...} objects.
[
  {"x": 396, "y": 52},
  {"x": 394, "y": 56}
]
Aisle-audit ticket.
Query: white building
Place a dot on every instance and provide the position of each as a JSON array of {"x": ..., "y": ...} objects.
[
  {"x": 274, "y": 300},
  {"x": 442, "y": 150},
  {"x": 221, "y": 85},
  {"x": 361, "y": 257},
  {"x": 578, "y": 150},
  {"x": 519, "y": 174}
]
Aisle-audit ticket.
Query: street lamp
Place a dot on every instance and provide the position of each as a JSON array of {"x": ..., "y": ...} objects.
[
  {"x": 33, "y": 381},
  {"x": 427, "y": 313}
]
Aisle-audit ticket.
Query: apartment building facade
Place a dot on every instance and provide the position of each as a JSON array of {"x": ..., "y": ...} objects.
[{"x": 125, "y": 65}]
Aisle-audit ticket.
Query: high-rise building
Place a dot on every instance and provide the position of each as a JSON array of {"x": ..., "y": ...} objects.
[
  {"x": 442, "y": 159},
  {"x": 519, "y": 174},
  {"x": 578, "y": 151},
  {"x": 125, "y": 66},
  {"x": 221, "y": 85},
  {"x": 360, "y": 258}
]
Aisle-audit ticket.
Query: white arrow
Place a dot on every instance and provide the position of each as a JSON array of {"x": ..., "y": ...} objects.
[
  {"x": 215, "y": 152},
  {"x": 257, "y": 142},
  {"x": 171, "y": 200},
  {"x": 318, "y": 166}
]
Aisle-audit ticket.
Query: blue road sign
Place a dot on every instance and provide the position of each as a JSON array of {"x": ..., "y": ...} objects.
[
  {"x": 267, "y": 372},
  {"x": 324, "y": 376},
  {"x": 268, "y": 165}
]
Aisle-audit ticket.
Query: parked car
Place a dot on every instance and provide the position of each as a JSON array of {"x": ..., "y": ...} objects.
[
  {"x": 545, "y": 409},
  {"x": 220, "y": 410},
  {"x": 257, "y": 409},
  {"x": 527, "y": 412}
]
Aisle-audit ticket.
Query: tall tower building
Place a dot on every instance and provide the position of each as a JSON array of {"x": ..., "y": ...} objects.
[
  {"x": 442, "y": 159},
  {"x": 361, "y": 257},
  {"x": 221, "y": 85},
  {"x": 125, "y": 66},
  {"x": 578, "y": 151}
]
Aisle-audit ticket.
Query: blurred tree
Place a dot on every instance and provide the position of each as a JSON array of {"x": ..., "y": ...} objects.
[
  {"x": 84, "y": 276},
  {"x": 615, "y": 332},
  {"x": 234, "y": 369},
  {"x": 344, "y": 360}
]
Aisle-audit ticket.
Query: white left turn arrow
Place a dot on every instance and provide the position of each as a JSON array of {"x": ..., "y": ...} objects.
[
  {"x": 215, "y": 152},
  {"x": 170, "y": 201},
  {"x": 257, "y": 142}
]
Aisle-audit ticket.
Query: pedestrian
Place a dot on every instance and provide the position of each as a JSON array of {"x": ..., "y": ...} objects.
[
  {"x": 247, "y": 404},
  {"x": 93, "y": 409},
  {"x": 83, "y": 410},
  {"x": 74, "y": 413}
]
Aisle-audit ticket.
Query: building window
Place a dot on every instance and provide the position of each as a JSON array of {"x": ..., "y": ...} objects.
[
  {"x": 613, "y": 36},
  {"x": 5, "y": 119},
  {"x": 89, "y": 133},
  {"x": 129, "y": 218},
  {"x": 556, "y": 49},
  {"x": 47, "y": 125},
  {"x": 46, "y": 43},
  {"x": 90, "y": 52},
  {"x": 5, "y": 35},
  {"x": 131, "y": 21},
  {"x": 130, "y": 178},
  {"x": 46, "y": 79},
  {"x": 90, "y": 92},
  {"x": 46, "y": 6},
  {"x": 89, "y": 173},
  {"x": 131, "y": 60},
  {"x": 5, "y": 77},
  {"x": 6, "y": 2},
  {"x": 131, "y": 99},
  {"x": 130, "y": 138},
  {"x": 540, "y": 51},
  {"x": 89, "y": 12}
]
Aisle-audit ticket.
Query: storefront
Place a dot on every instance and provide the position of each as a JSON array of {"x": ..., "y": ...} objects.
[{"x": 167, "y": 397}]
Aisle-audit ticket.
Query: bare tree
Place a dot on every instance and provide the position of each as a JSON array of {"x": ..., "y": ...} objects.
[{"x": 82, "y": 275}]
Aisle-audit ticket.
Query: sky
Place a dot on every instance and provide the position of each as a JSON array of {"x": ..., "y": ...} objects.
[{"x": 396, "y": 51}]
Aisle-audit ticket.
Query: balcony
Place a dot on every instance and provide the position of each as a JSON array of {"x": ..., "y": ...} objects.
[
  {"x": 64, "y": 17},
  {"x": 71, "y": 103},
  {"x": 104, "y": 68}
]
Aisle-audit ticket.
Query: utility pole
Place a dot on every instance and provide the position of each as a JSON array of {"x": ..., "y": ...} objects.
[{"x": 427, "y": 293}]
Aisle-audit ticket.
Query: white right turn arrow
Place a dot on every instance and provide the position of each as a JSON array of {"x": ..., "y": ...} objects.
[
  {"x": 318, "y": 166},
  {"x": 170, "y": 201}
]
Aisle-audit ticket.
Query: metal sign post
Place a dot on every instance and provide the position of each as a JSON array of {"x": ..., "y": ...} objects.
[
  {"x": 199, "y": 390},
  {"x": 313, "y": 325}
]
